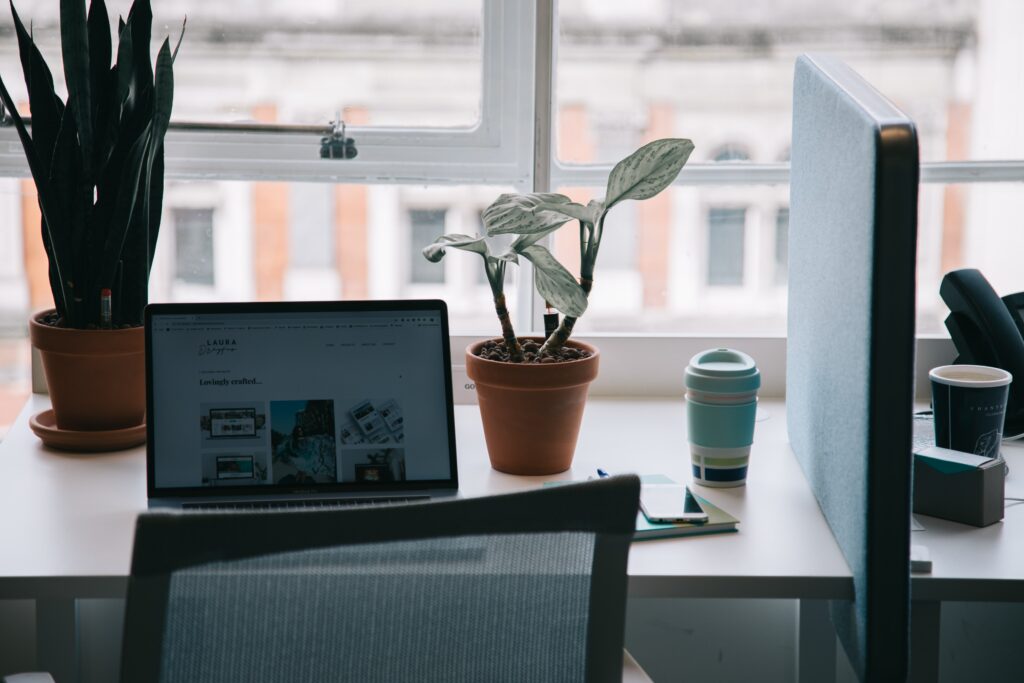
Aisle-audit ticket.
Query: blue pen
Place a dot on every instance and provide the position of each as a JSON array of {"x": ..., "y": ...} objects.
[{"x": 601, "y": 473}]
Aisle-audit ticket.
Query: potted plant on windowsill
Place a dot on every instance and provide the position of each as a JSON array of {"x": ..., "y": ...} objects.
[
  {"x": 97, "y": 163},
  {"x": 532, "y": 390}
]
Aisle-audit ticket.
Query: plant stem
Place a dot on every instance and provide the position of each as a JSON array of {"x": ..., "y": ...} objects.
[
  {"x": 590, "y": 240},
  {"x": 515, "y": 351},
  {"x": 564, "y": 331}
]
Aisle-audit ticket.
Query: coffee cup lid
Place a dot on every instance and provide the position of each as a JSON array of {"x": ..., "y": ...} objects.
[
  {"x": 971, "y": 376},
  {"x": 722, "y": 371}
]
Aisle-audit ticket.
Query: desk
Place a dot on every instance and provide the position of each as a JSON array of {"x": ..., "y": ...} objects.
[
  {"x": 968, "y": 565},
  {"x": 69, "y": 520}
]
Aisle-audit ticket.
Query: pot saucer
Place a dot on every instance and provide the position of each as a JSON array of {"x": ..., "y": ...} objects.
[{"x": 44, "y": 425}]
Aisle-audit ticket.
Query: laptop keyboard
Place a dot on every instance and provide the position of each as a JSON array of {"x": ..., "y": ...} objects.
[{"x": 313, "y": 503}]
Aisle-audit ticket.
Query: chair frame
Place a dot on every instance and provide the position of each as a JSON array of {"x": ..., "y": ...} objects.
[{"x": 166, "y": 542}]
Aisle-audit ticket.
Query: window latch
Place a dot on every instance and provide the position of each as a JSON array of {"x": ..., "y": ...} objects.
[{"x": 335, "y": 145}]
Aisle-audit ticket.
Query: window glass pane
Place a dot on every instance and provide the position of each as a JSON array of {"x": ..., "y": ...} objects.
[
  {"x": 693, "y": 260},
  {"x": 193, "y": 245},
  {"x": 966, "y": 226},
  {"x": 249, "y": 241},
  {"x": 720, "y": 72},
  {"x": 424, "y": 228},
  {"x": 725, "y": 246},
  {"x": 377, "y": 62},
  {"x": 311, "y": 238},
  {"x": 781, "y": 245}
]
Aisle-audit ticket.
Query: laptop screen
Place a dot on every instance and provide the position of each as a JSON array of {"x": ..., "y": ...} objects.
[{"x": 287, "y": 397}]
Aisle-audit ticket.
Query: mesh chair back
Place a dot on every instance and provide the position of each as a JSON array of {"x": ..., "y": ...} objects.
[{"x": 519, "y": 587}]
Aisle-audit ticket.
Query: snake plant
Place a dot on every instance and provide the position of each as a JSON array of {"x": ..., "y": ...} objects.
[
  {"x": 97, "y": 158},
  {"x": 532, "y": 217}
]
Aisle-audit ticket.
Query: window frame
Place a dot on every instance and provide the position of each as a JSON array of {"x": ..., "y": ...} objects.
[
  {"x": 511, "y": 145},
  {"x": 493, "y": 151}
]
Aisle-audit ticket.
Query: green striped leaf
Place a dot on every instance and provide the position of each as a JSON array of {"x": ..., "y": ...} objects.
[{"x": 647, "y": 171}]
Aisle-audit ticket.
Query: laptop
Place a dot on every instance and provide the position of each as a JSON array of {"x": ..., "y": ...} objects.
[{"x": 287, "y": 404}]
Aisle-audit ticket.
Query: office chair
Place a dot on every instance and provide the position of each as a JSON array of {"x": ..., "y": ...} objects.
[{"x": 520, "y": 587}]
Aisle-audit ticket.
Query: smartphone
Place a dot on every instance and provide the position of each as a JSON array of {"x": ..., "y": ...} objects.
[{"x": 667, "y": 503}]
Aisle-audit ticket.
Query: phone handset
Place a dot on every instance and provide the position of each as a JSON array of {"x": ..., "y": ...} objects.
[{"x": 988, "y": 330}]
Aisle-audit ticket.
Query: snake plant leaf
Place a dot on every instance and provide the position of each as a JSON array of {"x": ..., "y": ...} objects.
[
  {"x": 164, "y": 90},
  {"x": 155, "y": 201},
  {"x": 123, "y": 66},
  {"x": 163, "y": 100},
  {"x": 99, "y": 50},
  {"x": 45, "y": 105},
  {"x": 49, "y": 205},
  {"x": 98, "y": 161},
  {"x": 72, "y": 235},
  {"x": 74, "y": 43},
  {"x": 522, "y": 214},
  {"x": 556, "y": 284},
  {"x": 123, "y": 208},
  {"x": 100, "y": 82},
  {"x": 647, "y": 171},
  {"x": 140, "y": 23},
  {"x": 174, "y": 55}
]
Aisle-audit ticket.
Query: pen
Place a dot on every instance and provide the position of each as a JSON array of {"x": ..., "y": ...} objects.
[
  {"x": 105, "y": 309},
  {"x": 601, "y": 473}
]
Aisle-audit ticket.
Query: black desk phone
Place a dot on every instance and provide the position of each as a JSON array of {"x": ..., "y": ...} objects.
[{"x": 988, "y": 330}]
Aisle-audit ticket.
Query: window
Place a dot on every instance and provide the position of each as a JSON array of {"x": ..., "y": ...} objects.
[
  {"x": 193, "y": 246},
  {"x": 311, "y": 226},
  {"x": 731, "y": 152},
  {"x": 781, "y": 245},
  {"x": 448, "y": 106},
  {"x": 726, "y": 235},
  {"x": 425, "y": 226}
]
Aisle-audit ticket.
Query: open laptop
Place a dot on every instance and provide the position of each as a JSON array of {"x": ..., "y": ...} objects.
[{"x": 298, "y": 404}]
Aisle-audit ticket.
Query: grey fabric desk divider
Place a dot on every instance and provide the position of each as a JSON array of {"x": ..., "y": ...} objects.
[{"x": 850, "y": 352}]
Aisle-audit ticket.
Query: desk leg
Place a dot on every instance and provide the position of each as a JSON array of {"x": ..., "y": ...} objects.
[
  {"x": 815, "y": 642},
  {"x": 57, "y": 638},
  {"x": 925, "y": 618}
]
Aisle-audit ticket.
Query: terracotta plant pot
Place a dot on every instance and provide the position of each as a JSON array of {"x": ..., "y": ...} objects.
[
  {"x": 97, "y": 378},
  {"x": 531, "y": 412}
]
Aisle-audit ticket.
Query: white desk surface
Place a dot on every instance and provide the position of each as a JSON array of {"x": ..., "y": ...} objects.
[
  {"x": 68, "y": 519},
  {"x": 972, "y": 564}
]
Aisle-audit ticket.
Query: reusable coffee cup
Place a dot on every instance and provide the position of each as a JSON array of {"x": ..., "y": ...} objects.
[
  {"x": 721, "y": 403},
  {"x": 969, "y": 406}
]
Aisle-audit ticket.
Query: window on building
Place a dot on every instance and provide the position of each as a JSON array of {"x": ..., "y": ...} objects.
[
  {"x": 425, "y": 226},
  {"x": 781, "y": 273},
  {"x": 311, "y": 219},
  {"x": 726, "y": 235},
  {"x": 193, "y": 246},
  {"x": 731, "y": 152}
]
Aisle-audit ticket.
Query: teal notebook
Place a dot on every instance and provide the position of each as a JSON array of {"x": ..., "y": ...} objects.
[{"x": 719, "y": 521}]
